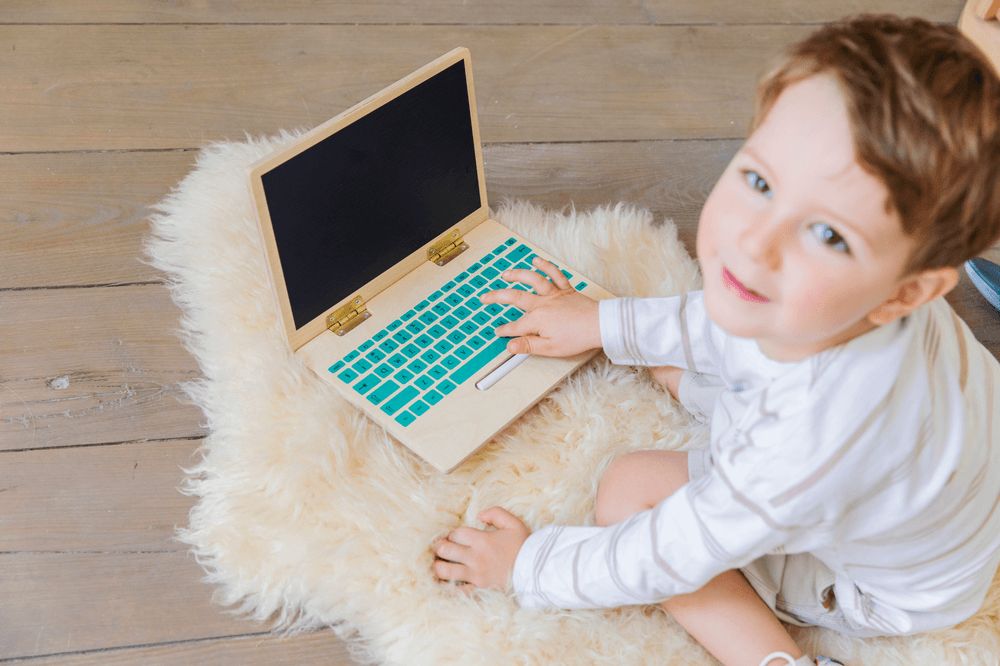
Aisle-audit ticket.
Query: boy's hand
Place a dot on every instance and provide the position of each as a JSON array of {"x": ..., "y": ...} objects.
[
  {"x": 557, "y": 319},
  {"x": 482, "y": 558}
]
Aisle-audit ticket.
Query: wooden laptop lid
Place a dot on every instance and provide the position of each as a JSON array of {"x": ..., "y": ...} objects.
[{"x": 359, "y": 201}]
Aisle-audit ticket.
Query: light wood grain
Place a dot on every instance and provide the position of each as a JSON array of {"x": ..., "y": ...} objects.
[
  {"x": 78, "y": 219},
  {"x": 83, "y": 366},
  {"x": 66, "y": 602},
  {"x": 96, "y": 499},
  {"x": 98, "y": 87},
  {"x": 465, "y": 11},
  {"x": 319, "y": 648}
]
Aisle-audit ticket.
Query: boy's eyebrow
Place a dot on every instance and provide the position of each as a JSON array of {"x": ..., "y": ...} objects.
[{"x": 825, "y": 211}]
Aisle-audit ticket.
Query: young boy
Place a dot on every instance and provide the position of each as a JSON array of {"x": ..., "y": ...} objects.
[{"x": 853, "y": 472}]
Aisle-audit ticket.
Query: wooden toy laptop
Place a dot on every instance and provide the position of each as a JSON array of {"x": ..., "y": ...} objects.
[{"x": 379, "y": 243}]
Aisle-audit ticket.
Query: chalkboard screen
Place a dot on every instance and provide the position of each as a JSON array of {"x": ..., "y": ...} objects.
[{"x": 353, "y": 205}]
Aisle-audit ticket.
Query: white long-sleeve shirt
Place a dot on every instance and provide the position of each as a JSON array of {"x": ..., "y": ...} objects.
[{"x": 880, "y": 456}]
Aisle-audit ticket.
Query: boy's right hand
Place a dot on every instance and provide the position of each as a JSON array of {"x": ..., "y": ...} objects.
[{"x": 557, "y": 319}]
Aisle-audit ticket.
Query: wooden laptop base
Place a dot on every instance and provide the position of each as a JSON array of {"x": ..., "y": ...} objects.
[{"x": 446, "y": 435}]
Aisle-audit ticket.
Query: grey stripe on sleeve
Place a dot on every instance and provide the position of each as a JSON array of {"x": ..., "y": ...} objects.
[
  {"x": 576, "y": 577},
  {"x": 632, "y": 338},
  {"x": 626, "y": 323},
  {"x": 611, "y": 557},
  {"x": 745, "y": 501},
  {"x": 685, "y": 335},
  {"x": 655, "y": 543},
  {"x": 543, "y": 555},
  {"x": 712, "y": 545},
  {"x": 831, "y": 462},
  {"x": 962, "y": 352}
]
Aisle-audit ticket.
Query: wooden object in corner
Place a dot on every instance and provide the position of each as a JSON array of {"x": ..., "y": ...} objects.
[{"x": 980, "y": 22}]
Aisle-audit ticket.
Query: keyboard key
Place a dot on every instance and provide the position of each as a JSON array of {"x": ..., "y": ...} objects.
[
  {"x": 417, "y": 366},
  {"x": 429, "y": 316},
  {"x": 498, "y": 284},
  {"x": 461, "y": 276},
  {"x": 580, "y": 285},
  {"x": 462, "y": 312},
  {"x": 499, "y": 248},
  {"x": 347, "y": 376},
  {"x": 336, "y": 366},
  {"x": 446, "y": 386},
  {"x": 378, "y": 336},
  {"x": 430, "y": 356},
  {"x": 421, "y": 305},
  {"x": 451, "y": 361},
  {"x": 441, "y": 308},
  {"x": 443, "y": 346},
  {"x": 437, "y": 371},
  {"x": 411, "y": 350},
  {"x": 494, "y": 308},
  {"x": 424, "y": 382},
  {"x": 384, "y": 370},
  {"x": 436, "y": 295},
  {"x": 403, "y": 376},
  {"x": 389, "y": 346},
  {"x": 366, "y": 345},
  {"x": 401, "y": 336},
  {"x": 475, "y": 267},
  {"x": 367, "y": 383},
  {"x": 477, "y": 362},
  {"x": 489, "y": 272},
  {"x": 361, "y": 365},
  {"x": 383, "y": 392},
  {"x": 469, "y": 327},
  {"x": 510, "y": 241},
  {"x": 397, "y": 360},
  {"x": 375, "y": 356},
  {"x": 405, "y": 418},
  {"x": 488, "y": 332},
  {"x": 424, "y": 341},
  {"x": 394, "y": 325},
  {"x": 400, "y": 399},
  {"x": 448, "y": 286},
  {"x": 480, "y": 318},
  {"x": 351, "y": 356},
  {"x": 501, "y": 264},
  {"x": 569, "y": 276},
  {"x": 476, "y": 342},
  {"x": 433, "y": 397},
  {"x": 520, "y": 252},
  {"x": 419, "y": 407},
  {"x": 415, "y": 326},
  {"x": 456, "y": 336},
  {"x": 409, "y": 314},
  {"x": 449, "y": 322},
  {"x": 436, "y": 331},
  {"x": 478, "y": 281},
  {"x": 454, "y": 299},
  {"x": 513, "y": 313},
  {"x": 463, "y": 352},
  {"x": 474, "y": 303},
  {"x": 465, "y": 290}
]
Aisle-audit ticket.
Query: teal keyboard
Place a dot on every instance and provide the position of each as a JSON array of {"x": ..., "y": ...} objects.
[{"x": 412, "y": 364}]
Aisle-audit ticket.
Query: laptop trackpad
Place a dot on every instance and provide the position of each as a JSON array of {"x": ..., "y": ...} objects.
[{"x": 501, "y": 371}]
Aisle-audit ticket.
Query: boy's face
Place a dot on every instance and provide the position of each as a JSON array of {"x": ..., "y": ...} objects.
[{"x": 796, "y": 219}]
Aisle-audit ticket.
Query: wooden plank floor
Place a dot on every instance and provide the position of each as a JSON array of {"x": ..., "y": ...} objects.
[{"x": 104, "y": 107}]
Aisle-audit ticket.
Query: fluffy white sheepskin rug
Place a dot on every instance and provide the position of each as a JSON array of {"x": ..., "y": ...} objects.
[{"x": 311, "y": 516}]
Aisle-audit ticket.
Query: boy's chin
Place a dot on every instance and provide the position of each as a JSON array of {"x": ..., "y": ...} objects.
[{"x": 727, "y": 315}]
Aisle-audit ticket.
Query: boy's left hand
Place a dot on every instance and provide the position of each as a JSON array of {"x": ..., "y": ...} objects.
[{"x": 482, "y": 558}]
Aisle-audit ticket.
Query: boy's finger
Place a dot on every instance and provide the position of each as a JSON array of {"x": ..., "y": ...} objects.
[
  {"x": 450, "y": 570},
  {"x": 451, "y": 551},
  {"x": 499, "y": 517},
  {"x": 552, "y": 271},
  {"x": 526, "y": 344},
  {"x": 515, "y": 297},
  {"x": 528, "y": 277}
]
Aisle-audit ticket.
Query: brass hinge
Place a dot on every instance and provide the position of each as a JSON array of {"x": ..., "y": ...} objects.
[
  {"x": 447, "y": 249},
  {"x": 346, "y": 317}
]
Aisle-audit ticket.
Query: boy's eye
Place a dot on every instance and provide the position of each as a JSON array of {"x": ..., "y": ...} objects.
[
  {"x": 757, "y": 182},
  {"x": 828, "y": 234}
]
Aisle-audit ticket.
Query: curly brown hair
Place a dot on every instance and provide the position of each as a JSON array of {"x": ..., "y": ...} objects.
[{"x": 924, "y": 107}]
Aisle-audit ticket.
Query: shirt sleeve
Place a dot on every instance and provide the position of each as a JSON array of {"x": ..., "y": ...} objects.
[
  {"x": 672, "y": 330},
  {"x": 721, "y": 521}
]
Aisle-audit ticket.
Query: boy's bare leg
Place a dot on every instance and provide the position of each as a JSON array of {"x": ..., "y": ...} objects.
[
  {"x": 667, "y": 376},
  {"x": 725, "y": 616}
]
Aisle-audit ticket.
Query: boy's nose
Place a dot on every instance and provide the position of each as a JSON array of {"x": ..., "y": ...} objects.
[{"x": 761, "y": 241}]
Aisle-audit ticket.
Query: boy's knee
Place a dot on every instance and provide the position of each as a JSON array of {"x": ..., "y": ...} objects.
[{"x": 637, "y": 481}]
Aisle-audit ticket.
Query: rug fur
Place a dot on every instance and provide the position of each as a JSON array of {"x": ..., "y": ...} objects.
[{"x": 309, "y": 515}]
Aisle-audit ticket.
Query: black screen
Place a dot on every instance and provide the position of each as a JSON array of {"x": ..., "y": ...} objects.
[{"x": 350, "y": 207}]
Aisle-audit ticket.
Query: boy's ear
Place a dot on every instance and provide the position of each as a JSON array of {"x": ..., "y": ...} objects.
[{"x": 913, "y": 292}]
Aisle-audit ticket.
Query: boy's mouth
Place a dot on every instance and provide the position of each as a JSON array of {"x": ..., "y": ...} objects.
[{"x": 742, "y": 290}]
